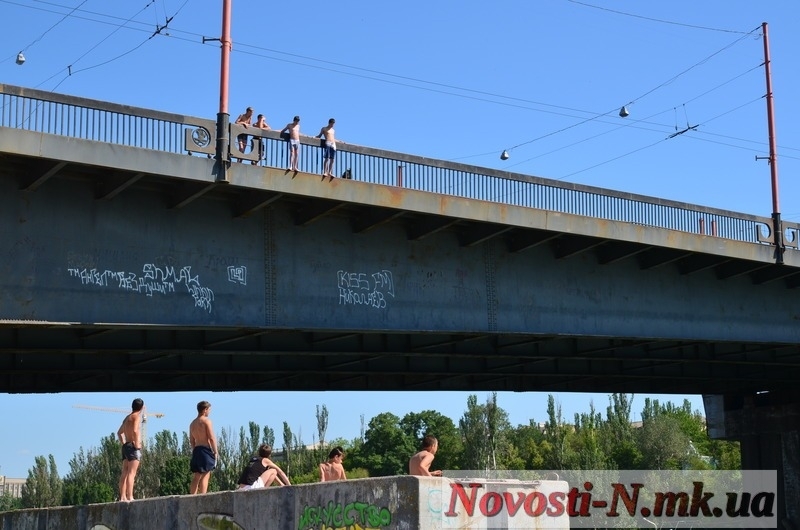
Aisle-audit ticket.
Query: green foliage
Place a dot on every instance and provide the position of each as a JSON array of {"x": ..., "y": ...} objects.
[
  {"x": 417, "y": 425},
  {"x": 589, "y": 450},
  {"x": 386, "y": 447},
  {"x": 43, "y": 487},
  {"x": 358, "y": 472},
  {"x": 94, "y": 473},
  {"x": 322, "y": 423},
  {"x": 671, "y": 437},
  {"x": 160, "y": 448},
  {"x": 662, "y": 443},
  {"x": 175, "y": 477},
  {"x": 79, "y": 493},
  {"x": 527, "y": 440},
  {"x": 725, "y": 455},
  {"x": 557, "y": 453},
  {"x": 305, "y": 478},
  {"x": 472, "y": 426},
  {"x": 229, "y": 461},
  {"x": 8, "y": 502}
]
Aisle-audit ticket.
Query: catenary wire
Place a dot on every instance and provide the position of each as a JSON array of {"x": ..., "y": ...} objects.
[
  {"x": 48, "y": 30},
  {"x": 662, "y": 21},
  {"x": 373, "y": 71}
]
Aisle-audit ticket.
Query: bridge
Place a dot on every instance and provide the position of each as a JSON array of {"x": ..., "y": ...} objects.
[{"x": 131, "y": 262}]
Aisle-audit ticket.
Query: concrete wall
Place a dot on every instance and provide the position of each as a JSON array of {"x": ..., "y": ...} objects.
[
  {"x": 378, "y": 503},
  {"x": 398, "y": 503}
]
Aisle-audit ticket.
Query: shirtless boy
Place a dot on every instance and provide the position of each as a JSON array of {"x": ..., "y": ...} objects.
[
  {"x": 244, "y": 121},
  {"x": 293, "y": 129},
  {"x": 329, "y": 154},
  {"x": 261, "y": 123},
  {"x": 261, "y": 472},
  {"x": 130, "y": 437},
  {"x": 204, "y": 449},
  {"x": 333, "y": 469},
  {"x": 421, "y": 462}
]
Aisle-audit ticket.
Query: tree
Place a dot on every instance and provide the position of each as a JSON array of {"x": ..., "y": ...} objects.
[
  {"x": 322, "y": 424},
  {"x": 618, "y": 438},
  {"x": 386, "y": 447},
  {"x": 557, "y": 452},
  {"x": 226, "y": 475},
  {"x": 175, "y": 477},
  {"x": 472, "y": 426},
  {"x": 43, "y": 487},
  {"x": 662, "y": 444},
  {"x": 417, "y": 425},
  {"x": 287, "y": 445},
  {"x": 485, "y": 433},
  {"x": 527, "y": 440},
  {"x": 588, "y": 447},
  {"x": 8, "y": 502},
  {"x": 269, "y": 436},
  {"x": 94, "y": 474},
  {"x": 160, "y": 449}
]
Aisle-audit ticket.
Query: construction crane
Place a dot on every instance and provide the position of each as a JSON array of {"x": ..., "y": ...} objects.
[{"x": 145, "y": 415}]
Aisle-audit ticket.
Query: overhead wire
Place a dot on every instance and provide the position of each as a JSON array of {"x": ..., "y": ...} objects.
[
  {"x": 688, "y": 128},
  {"x": 392, "y": 75},
  {"x": 87, "y": 52},
  {"x": 661, "y": 85},
  {"x": 157, "y": 31},
  {"x": 663, "y": 21},
  {"x": 48, "y": 30},
  {"x": 625, "y": 125}
]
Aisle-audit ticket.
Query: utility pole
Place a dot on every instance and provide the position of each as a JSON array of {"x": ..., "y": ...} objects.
[
  {"x": 223, "y": 117},
  {"x": 777, "y": 227}
]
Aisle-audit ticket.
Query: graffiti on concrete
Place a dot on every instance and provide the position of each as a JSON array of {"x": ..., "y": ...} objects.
[
  {"x": 151, "y": 280},
  {"x": 359, "y": 288},
  {"x": 350, "y": 516},
  {"x": 217, "y": 521},
  {"x": 237, "y": 274}
]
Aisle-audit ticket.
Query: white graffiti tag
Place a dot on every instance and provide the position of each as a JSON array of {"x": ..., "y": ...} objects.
[
  {"x": 153, "y": 279},
  {"x": 358, "y": 288},
  {"x": 237, "y": 274}
]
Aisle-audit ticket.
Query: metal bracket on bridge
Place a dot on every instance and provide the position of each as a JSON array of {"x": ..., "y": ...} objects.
[
  {"x": 199, "y": 140},
  {"x": 237, "y": 130},
  {"x": 791, "y": 234}
]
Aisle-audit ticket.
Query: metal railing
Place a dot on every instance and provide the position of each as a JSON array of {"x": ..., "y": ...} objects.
[{"x": 88, "y": 119}]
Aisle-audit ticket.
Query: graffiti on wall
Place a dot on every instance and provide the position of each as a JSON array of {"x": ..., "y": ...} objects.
[
  {"x": 350, "y": 516},
  {"x": 152, "y": 280},
  {"x": 359, "y": 288},
  {"x": 237, "y": 274}
]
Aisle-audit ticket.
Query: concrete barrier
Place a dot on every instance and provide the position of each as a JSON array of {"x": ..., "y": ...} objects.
[{"x": 401, "y": 503}]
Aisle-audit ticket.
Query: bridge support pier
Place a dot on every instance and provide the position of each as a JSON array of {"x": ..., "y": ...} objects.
[{"x": 767, "y": 425}]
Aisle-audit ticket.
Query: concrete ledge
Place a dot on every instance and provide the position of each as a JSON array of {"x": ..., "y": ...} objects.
[{"x": 400, "y": 502}]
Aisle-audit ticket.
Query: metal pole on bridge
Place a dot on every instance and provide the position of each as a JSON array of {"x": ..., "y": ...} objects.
[
  {"x": 777, "y": 229},
  {"x": 223, "y": 117}
]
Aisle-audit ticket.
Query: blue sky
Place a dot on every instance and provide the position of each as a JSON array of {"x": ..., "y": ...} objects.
[{"x": 455, "y": 81}]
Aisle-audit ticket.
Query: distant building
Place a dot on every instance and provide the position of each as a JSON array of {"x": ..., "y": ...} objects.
[{"x": 11, "y": 486}]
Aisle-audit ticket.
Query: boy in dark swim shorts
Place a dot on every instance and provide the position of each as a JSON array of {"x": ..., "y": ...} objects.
[
  {"x": 203, "y": 460},
  {"x": 130, "y": 436},
  {"x": 204, "y": 449}
]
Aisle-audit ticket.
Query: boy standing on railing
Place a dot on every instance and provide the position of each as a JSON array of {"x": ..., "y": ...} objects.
[
  {"x": 292, "y": 130},
  {"x": 329, "y": 151}
]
